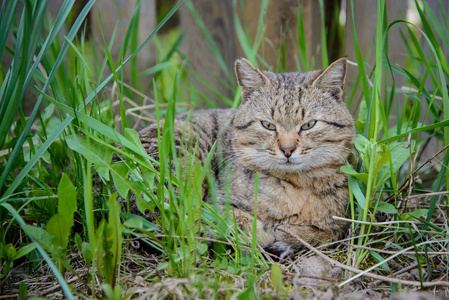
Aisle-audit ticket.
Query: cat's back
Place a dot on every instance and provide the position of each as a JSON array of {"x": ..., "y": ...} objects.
[{"x": 204, "y": 126}]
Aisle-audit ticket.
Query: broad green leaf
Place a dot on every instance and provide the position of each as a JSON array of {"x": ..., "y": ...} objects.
[
  {"x": 382, "y": 157},
  {"x": 45, "y": 240},
  {"x": 9, "y": 252},
  {"x": 149, "y": 176},
  {"x": 23, "y": 290},
  {"x": 146, "y": 203},
  {"x": 277, "y": 279},
  {"x": 48, "y": 113},
  {"x": 59, "y": 226},
  {"x": 98, "y": 154},
  {"x": 101, "y": 156},
  {"x": 386, "y": 208},
  {"x": 120, "y": 177},
  {"x": 78, "y": 242},
  {"x": 249, "y": 293},
  {"x": 24, "y": 250},
  {"x": 380, "y": 259},
  {"x": 399, "y": 154},
  {"x": 67, "y": 197},
  {"x": 364, "y": 147},
  {"x": 359, "y": 195},
  {"x": 134, "y": 223},
  {"x": 202, "y": 248},
  {"x": 112, "y": 293},
  {"x": 132, "y": 136},
  {"x": 350, "y": 171},
  {"x": 413, "y": 215},
  {"x": 114, "y": 228},
  {"x": 361, "y": 121}
]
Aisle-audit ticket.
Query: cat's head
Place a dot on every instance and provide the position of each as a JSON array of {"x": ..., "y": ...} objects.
[{"x": 292, "y": 122}]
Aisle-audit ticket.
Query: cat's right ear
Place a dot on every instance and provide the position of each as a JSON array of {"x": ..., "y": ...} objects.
[{"x": 248, "y": 75}]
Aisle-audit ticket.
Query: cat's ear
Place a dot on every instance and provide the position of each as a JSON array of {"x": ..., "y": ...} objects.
[
  {"x": 248, "y": 75},
  {"x": 332, "y": 78}
]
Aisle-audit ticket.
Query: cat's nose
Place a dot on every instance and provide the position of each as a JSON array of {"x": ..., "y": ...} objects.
[{"x": 288, "y": 150}]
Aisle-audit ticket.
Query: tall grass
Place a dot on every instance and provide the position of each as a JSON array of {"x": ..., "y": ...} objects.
[{"x": 59, "y": 182}]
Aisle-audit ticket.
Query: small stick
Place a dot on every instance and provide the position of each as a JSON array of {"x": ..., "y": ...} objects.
[
  {"x": 404, "y": 185},
  {"x": 52, "y": 289},
  {"x": 394, "y": 252},
  {"x": 412, "y": 266},
  {"x": 214, "y": 240},
  {"x": 427, "y": 194},
  {"x": 357, "y": 271},
  {"x": 410, "y": 90}
]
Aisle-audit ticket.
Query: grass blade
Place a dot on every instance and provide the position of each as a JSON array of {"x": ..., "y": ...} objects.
[
  {"x": 42, "y": 252},
  {"x": 69, "y": 119}
]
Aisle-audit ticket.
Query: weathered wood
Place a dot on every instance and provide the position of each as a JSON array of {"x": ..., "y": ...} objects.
[
  {"x": 217, "y": 17},
  {"x": 365, "y": 22},
  {"x": 281, "y": 26},
  {"x": 119, "y": 13},
  {"x": 433, "y": 145}
]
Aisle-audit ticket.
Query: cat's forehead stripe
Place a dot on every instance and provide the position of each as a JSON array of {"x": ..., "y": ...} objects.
[{"x": 287, "y": 100}]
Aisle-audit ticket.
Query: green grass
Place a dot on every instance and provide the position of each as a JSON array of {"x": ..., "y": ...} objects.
[{"x": 57, "y": 198}]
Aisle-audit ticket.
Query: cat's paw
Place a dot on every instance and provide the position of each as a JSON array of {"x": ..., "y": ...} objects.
[
  {"x": 264, "y": 236},
  {"x": 280, "y": 249}
]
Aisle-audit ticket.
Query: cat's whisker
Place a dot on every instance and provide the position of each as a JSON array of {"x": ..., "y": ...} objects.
[{"x": 268, "y": 135}]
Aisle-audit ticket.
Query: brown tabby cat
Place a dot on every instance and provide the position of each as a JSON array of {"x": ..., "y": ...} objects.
[{"x": 292, "y": 128}]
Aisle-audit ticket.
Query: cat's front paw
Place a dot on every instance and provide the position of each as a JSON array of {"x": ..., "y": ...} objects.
[
  {"x": 264, "y": 236},
  {"x": 280, "y": 249}
]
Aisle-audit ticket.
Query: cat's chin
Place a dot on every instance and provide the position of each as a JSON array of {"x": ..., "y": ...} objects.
[
  {"x": 290, "y": 167},
  {"x": 302, "y": 169},
  {"x": 298, "y": 166}
]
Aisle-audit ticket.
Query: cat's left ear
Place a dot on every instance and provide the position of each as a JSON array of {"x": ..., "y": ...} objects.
[
  {"x": 332, "y": 78},
  {"x": 247, "y": 75}
]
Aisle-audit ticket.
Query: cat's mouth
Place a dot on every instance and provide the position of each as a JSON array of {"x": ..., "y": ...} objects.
[{"x": 288, "y": 162}]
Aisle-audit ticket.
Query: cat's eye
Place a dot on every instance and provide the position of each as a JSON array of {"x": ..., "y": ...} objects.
[
  {"x": 308, "y": 125},
  {"x": 268, "y": 125}
]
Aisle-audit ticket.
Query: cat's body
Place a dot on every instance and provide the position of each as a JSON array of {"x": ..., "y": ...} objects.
[{"x": 295, "y": 131}]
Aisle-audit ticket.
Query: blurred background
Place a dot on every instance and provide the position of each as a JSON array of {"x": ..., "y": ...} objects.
[{"x": 206, "y": 29}]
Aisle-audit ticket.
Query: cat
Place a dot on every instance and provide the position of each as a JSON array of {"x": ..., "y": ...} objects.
[{"x": 295, "y": 131}]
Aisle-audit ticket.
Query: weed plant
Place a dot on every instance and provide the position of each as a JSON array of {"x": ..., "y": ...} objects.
[{"x": 62, "y": 171}]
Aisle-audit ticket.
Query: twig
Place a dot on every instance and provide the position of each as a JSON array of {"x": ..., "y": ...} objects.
[
  {"x": 25, "y": 145},
  {"x": 49, "y": 290},
  {"x": 385, "y": 224},
  {"x": 11, "y": 296},
  {"x": 394, "y": 252},
  {"x": 134, "y": 90},
  {"x": 362, "y": 273},
  {"x": 428, "y": 194},
  {"x": 404, "y": 185},
  {"x": 213, "y": 240},
  {"x": 441, "y": 206},
  {"x": 372, "y": 223},
  {"x": 412, "y": 266},
  {"x": 351, "y": 63},
  {"x": 410, "y": 90}
]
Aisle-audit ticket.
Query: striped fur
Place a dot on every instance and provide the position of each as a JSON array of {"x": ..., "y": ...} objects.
[{"x": 300, "y": 183}]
